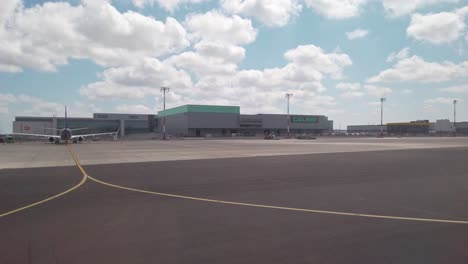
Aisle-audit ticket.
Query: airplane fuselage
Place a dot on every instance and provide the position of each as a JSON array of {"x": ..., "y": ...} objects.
[{"x": 65, "y": 134}]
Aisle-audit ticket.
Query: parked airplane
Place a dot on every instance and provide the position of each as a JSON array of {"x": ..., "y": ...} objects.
[{"x": 66, "y": 134}]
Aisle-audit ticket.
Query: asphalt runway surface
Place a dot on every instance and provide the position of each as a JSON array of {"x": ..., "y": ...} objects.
[{"x": 99, "y": 223}]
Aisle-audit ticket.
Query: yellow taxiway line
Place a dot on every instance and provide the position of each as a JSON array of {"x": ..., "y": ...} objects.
[
  {"x": 449, "y": 221},
  {"x": 282, "y": 207},
  {"x": 83, "y": 180},
  {"x": 86, "y": 176}
]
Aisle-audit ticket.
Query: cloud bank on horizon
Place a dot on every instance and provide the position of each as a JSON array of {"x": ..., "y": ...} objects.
[{"x": 215, "y": 52}]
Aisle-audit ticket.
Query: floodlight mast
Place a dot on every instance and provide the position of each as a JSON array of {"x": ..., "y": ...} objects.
[
  {"x": 455, "y": 117},
  {"x": 164, "y": 89},
  {"x": 382, "y": 100},
  {"x": 288, "y": 97}
]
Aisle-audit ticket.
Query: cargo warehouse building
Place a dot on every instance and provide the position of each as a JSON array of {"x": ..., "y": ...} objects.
[
  {"x": 418, "y": 127},
  {"x": 203, "y": 120},
  {"x": 186, "y": 120}
]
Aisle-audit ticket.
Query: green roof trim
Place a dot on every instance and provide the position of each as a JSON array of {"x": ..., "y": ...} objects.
[{"x": 200, "y": 109}]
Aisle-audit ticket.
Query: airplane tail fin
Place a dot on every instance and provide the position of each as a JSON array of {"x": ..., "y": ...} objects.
[{"x": 66, "y": 121}]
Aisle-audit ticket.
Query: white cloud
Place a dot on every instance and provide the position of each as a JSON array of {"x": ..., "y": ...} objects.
[
  {"x": 209, "y": 58},
  {"x": 35, "y": 106},
  {"x": 224, "y": 51},
  {"x": 254, "y": 90},
  {"x": 354, "y": 90},
  {"x": 43, "y": 108},
  {"x": 404, "y": 7},
  {"x": 358, "y": 33},
  {"x": 307, "y": 65},
  {"x": 349, "y": 86},
  {"x": 336, "y": 9},
  {"x": 402, "y": 54},
  {"x": 279, "y": 79},
  {"x": 45, "y": 36},
  {"x": 436, "y": 28},
  {"x": 135, "y": 109},
  {"x": 83, "y": 109},
  {"x": 217, "y": 51},
  {"x": 136, "y": 81},
  {"x": 463, "y": 11},
  {"x": 169, "y": 5},
  {"x": 215, "y": 26},
  {"x": 270, "y": 13},
  {"x": 314, "y": 58},
  {"x": 418, "y": 70},
  {"x": 374, "y": 103},
  {"x": 377, "y": 90},
  {"x": 351, "y": 90},
  {"x": 38, "y": 106},
  {"x": 7, "y": 8},
  {"x": 302, "y": 75},
  {"x": 201, "y": 66},
  {"x": 456, "y": 89},
  {"x": 352, "y": 94},
  {"x": 407, "y": 91},
  {"x": 441, "y": 100},
  {"x": 441, "y": 107},
  {"x": 32, "y": 105},
  {"x": 7, "y": 98},
  {"x": 106, "y": 89}
]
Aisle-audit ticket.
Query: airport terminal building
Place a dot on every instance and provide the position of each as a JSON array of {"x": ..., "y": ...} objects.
[
  {"x": 99, "y": 123},
  {"x": 183, "y": 121}
]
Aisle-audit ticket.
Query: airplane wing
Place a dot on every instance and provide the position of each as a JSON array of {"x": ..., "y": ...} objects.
[
  {"x": 33, "y": 135},
  {"x": 95, "y": 135},
  {"x": 72, "y": 129}
]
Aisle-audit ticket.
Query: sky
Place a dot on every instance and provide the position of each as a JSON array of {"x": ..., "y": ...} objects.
[{"x": 337, "y": 57}]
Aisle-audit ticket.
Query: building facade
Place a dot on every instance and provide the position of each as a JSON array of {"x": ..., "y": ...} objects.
[
  {"x": 419, "y": 127},
  {"x": 184, "y": 121},
  {"x": 100, "y": 123},
  {"x": 35, "y": 125},
  {"x": 442, "y": 127},
  {"x": 367, "y": 129},
  {"x": 462, "y": 128},
  {"x": 131, "y": 123},
  {"x": 213, "y": 120}
]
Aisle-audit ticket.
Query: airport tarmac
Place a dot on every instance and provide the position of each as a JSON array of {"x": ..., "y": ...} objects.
[
  {"x": 406, "y": 205},
  {"x": 30, "y": 155}
]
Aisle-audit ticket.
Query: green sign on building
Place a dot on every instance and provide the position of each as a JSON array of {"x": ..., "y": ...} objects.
[{"x": 304, "y": 119}]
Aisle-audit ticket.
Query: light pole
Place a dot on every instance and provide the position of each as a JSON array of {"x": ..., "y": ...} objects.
[
  {"x": 288, "y": 96},
  {"x": 382, "y": 100},
  {"x": 164, "y": 89},
  {"x": 455, "y": 117}
]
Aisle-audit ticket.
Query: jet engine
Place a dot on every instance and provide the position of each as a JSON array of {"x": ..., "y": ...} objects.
[
  {"x": 80, "y": 139},
  {"x": 51, "y": 139}
]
